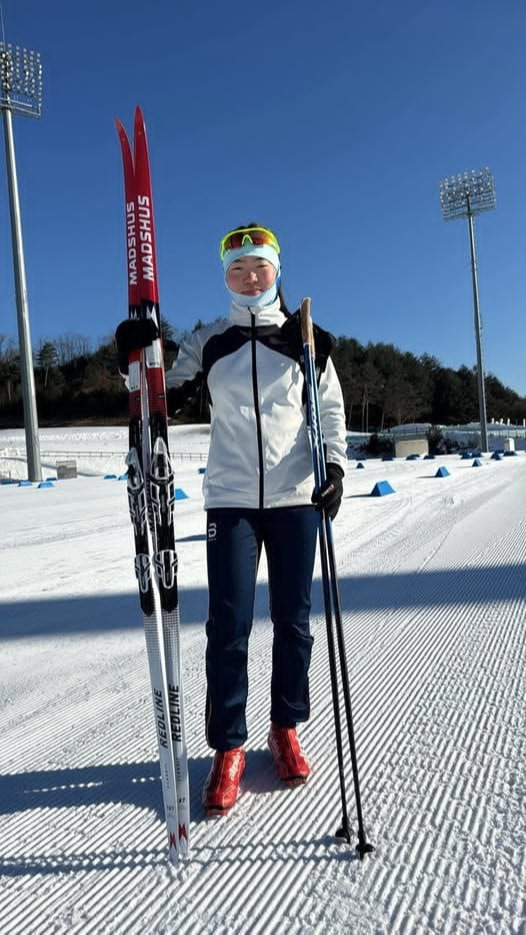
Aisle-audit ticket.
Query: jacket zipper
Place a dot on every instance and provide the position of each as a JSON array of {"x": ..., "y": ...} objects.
[{"x": 256, "y": 410}]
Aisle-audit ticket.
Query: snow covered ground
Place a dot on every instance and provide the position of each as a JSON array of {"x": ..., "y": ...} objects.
[{"x": 433, "y": 583}]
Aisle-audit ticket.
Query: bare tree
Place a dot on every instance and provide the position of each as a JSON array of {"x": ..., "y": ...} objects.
[{"x": 71, "y": 345}]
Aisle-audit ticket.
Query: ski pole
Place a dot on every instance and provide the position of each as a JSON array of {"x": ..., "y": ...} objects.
[
  {"x": 331, "y": 593},
  {"x": 363, "y": 847}
]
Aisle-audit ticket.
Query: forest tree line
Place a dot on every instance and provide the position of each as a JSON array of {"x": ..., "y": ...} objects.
[{"x": 382, "y": 385}]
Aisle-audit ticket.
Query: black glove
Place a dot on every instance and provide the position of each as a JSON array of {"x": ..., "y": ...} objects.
[
  {"x": 133, "y": 334},
  {"x": 329, "y": 496},
  {"x": 175, "y": 399}
]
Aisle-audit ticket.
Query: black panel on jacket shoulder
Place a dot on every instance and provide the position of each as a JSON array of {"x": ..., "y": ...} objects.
[
  {"x": 222, "y": 344},
  {"x": 284, "y": 340}
]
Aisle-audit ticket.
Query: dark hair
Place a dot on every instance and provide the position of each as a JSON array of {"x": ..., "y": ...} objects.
[{"x": 283, "y": 304}]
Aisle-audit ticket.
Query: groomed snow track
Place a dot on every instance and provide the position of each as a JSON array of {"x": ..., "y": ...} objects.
[{"x": 433, "y": 586}]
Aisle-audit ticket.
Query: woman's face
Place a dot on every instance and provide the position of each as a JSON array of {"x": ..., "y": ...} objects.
[{"x": 250, "y": 275}]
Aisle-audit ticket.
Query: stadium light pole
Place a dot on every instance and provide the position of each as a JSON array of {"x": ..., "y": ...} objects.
[
  {"x": 464, "y": 196},
  {"x": 21, "y": 93}
]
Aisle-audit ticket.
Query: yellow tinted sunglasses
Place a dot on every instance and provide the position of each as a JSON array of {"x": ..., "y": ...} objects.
[{"x": 247, "y": 235}]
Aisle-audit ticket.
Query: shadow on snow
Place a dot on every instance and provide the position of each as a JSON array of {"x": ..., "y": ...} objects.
[
  {"x": 138, "y": 785},
  {"x": 99, "y": 613}
]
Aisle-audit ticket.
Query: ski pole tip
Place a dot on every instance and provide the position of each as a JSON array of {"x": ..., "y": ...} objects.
[
  {"x": 344, "y": 833},
  {"x": 364, "y": 848}
]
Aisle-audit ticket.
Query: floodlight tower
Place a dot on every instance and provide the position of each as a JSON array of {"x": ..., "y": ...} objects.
[
  {"x": 21, "y": 93},
  {"x": 464, "y": 196}
]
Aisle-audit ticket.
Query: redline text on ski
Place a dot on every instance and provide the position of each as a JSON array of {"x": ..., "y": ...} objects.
[
  {"x": 175, "y": 712},
  {"x": 161, "y": 723}
]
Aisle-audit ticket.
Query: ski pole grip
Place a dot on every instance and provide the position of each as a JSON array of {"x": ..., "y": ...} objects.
[{"x": 307, "y": 333}]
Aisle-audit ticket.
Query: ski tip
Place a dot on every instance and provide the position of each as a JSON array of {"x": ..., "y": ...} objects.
[
  {"x": 127, "y": 156},
  {"x": 139, "y": 119},
  {"x": 139, "y": 129},
  {"x": 120, "y": 129}
]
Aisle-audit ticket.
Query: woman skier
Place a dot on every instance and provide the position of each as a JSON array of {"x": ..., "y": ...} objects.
[{"x": 258, "y": 492}]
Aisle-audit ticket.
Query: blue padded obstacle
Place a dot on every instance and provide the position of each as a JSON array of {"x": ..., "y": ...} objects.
[
  {"x": 387, "y": 458},
  {"x": 510, "y": 454},
  {"x": 46, "y": 483},
  {"x": 201, "y": 470},
  {"x": 477, "y": 463},
  {"x": 496, "y": 456},
  {"x": 466, "y": 455},
  {"x": 381, "y": 489},
  {"x": 413, "y": 457},
  {"x": 442, "y": 472},
  {"x": 25, "y": 483},
  {"x": 123, "y": 476},
  {"x": 429, "y": 457},
  {"x": 180, "y": 494},
  {"x": 110, "y": 477},
  {"x": 360, "y": 465},
  {"x": 7, "y": 481}
]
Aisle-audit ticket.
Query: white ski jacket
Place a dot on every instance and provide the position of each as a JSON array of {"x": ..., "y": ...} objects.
[{"x": 260, "y": 453}]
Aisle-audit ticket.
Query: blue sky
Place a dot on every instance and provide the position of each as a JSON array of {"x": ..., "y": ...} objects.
[{"x": 331, "y": 122}]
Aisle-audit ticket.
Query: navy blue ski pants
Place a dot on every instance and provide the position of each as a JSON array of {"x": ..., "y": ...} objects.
[{"x": 235, "y": 539}]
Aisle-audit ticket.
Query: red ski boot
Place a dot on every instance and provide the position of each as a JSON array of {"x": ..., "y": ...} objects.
[
  {"x": 222, "y": 785},
  {"x": 291, "y": 763}
]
